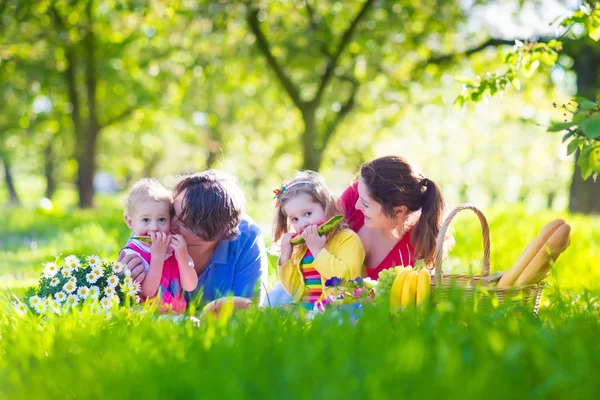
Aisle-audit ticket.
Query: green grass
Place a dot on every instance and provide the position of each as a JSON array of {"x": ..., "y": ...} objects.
[{"x": 449, "y": 352}]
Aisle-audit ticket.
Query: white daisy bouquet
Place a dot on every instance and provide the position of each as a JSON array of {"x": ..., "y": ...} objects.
[{"x": 78, "y": 280}]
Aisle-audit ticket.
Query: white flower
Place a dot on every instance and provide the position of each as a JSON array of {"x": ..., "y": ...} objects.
[
  {"x": 73, "y": 300},
  {"x": 110, "y": 291},
  {"x": 112, "y": 281},
  {"x": 71, "y": 259},
  {"x": 127, "y": 272},
  {"x": 94, "y": 292},
  {"x": 94, "y": 261},
  {"x": 130, "y": 291},
  {"x": 137, "y": 299},
  {"x": 19, "y": 307},
  {"x": 54, "y": 308},
  {"x": 50, "y": 269},
  {"x": 115, "y": 300},
  {"x": 83, "y": 292},
  {"x": 136, "y": 286},
  {"x": 40, "y": 308},
  {"x": 60, "y": 297},
  {"x": 35, "y": 301},
  {"x": 127, "y": 280},
  {"x": 73, "y": 280},
  {"x": 54, "y": 282},
  {"x": 106, "y": 303},
  {"x": 98, "y": 272},
  {"x": 72, "y": 262},
  {"x": 91, "y": 277},
  {"x": 69, "y": 287},
  {"x": 118, "y": 267},
  {"x": 66, "y": 272}
]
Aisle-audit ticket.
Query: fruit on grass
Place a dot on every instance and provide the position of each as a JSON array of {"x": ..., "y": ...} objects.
[
  {"x": 409, "y": 291},
  {"x": 323, "y": 229},
  {"x": 385, "y": 280},
  {"x": 397, "y": 288},
  {"x": 539, "y": 267},
  {"x": 423, "y": 286},
  {"x": 510, "y": 277}
]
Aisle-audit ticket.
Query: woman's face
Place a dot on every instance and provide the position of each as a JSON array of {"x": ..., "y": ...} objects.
[
  {"x": 176, "y": 225},
  {"x": 372, "y": 210}
]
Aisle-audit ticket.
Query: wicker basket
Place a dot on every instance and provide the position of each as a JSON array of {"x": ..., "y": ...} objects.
[{"x": 475, "y": 286}]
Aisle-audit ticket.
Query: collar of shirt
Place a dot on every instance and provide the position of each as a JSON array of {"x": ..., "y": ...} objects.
[{"x": 221, "y": 254}]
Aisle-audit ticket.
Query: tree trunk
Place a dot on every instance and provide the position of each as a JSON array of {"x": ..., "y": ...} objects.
[
  {"x": 584, "y": 196},
  {"x": 88, "y": 142},
  {"x": 49, "y": 167},
  {"x": 87, "y": 169},
  {"x": 312, "y": 155},
  {"x": 10, "y": 184}
]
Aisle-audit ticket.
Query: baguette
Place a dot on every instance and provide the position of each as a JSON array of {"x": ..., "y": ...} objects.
[
  {"x": 539, "y": 267},
  {"x": 510, "y": 276}
]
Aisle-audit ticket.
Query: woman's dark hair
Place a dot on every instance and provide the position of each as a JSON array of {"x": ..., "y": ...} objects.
[
  {"x": 212, "y": 205},
  {"x": 393, "y": 182}
]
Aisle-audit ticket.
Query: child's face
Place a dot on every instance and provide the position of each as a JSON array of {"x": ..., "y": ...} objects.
[
  {"x": 149, "y": 216},
  {"x": 302, "y": 211}
]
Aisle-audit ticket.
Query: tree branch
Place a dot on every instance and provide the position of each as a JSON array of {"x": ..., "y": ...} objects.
[
  {"x": 119, "y": 117},
  {"x": 344, "y": 110},
  {"x": 440, "y": 59},
  {"x": 332, "y": 62},
  {"x": 263, "y": 45},
  {"x": 314, "y": 26}
]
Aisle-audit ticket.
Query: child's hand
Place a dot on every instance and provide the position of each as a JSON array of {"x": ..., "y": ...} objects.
[
  {"x": 160, "y": 243},
  {"x": 314, "y": 242},
  {"x": 286, "y": 248},
  {"x": 179, "y": 247}
]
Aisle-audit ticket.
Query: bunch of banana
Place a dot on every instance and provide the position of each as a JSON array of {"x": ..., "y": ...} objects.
[{"x": 411, "y": 287}]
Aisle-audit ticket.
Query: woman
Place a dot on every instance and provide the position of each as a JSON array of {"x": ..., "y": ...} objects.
[
  {"x": 396, "y": 212},
  {"x": 226, "y": 246}
]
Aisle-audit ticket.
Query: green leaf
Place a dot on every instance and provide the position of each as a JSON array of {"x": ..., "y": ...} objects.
[
  {"x": 584, "y": 164},
  {"x": 464, "y": 80},
  {"x": 585, "y": 104},
  {"x": 573, "y": 145},
  {"x": 459, "y": 102},
  {"x": 567, "y": 135},
  {"x": 515, "y": 82},
  {"x": 580, "y": 116},
  {"x": 591, "y": 127},
  {"x": 560, "y": 126}
]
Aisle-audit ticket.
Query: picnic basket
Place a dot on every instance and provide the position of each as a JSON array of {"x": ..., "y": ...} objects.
[{"x": 476, "y": 287}]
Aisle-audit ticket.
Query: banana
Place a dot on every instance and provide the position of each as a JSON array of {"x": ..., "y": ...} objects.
[
  {"x": 409, "y": 291},
  {"x": 396, "y": 291},
  {"x": 423, "y": 286}
]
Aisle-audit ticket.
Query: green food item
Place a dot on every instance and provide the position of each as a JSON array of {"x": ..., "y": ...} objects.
[
  {"x": 324, "y": 229},
  {"x": 146, "y": 239}
]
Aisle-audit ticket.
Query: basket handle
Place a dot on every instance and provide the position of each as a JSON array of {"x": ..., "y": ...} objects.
[{"x": 485, "y": 231}]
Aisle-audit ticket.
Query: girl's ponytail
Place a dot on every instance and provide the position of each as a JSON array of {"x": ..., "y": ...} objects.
[{"x": 425, "y": 233}]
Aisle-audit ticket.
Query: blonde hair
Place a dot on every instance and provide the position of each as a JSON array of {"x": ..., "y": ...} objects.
[
  {"x": 146, "y": 189},
  {"x": 312, "y": 184}
]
